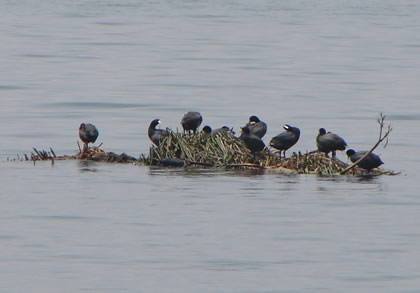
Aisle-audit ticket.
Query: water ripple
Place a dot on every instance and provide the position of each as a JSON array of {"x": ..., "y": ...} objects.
[
  {"x": 64, "y": 218},
  {"x": 7, "y": 87},
  {"x": 404, "y": 117},
  {"x": 96, "y": 105}
]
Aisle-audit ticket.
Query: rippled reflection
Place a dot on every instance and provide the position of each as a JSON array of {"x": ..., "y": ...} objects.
[{"x": 87, "y": 166}]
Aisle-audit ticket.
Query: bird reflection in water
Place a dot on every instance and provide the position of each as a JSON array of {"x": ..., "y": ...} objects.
[{"x": 86, "y": 166}]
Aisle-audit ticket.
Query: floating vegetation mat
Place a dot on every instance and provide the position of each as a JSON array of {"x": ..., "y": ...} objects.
[
  {"x": 94, "y": 154},
  {"x": 227, "y": 151},
  {"x": 222, "y": 151}
]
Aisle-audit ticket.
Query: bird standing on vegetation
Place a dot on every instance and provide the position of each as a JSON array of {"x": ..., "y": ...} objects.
[
  {"x": 286, "y": 139},
  {"x": 252, "y": 142},
  {"x": 156, "y": 135},
  {"x": 329, "y": 142},
  {"x": 256, "y": 126},
  {"x": 87, "y": 133},
  {"x": 191, "y": 121},
  {"x": 370, "y": 162}
]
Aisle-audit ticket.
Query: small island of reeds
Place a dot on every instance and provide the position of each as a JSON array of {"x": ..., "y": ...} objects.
[
  {"x": 227, "y": 151},
  {"x": 222, "y": 151}
]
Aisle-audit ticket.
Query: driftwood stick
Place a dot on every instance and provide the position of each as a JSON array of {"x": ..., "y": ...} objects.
[
  {"x": 381, "y": 121},
  {"x": 246, "y": 165},
  {"x": 200, "y": 163}
]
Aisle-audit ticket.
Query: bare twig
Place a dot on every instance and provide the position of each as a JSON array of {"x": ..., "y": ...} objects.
[
  {"x": 37, "y": 152},
  {"x": 381, "y": 121},
  {"x": 246, "y": 165},
  {"x": 200, "y": 163}
]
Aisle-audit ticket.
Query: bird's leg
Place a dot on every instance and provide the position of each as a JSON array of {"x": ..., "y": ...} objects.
[
  {"x": 333, "y": 155},
  {"x": 84, "y": 150},
  {"x": 254, "y": 158}
]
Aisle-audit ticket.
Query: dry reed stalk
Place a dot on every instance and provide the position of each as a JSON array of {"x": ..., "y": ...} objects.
[{"x": 381, "y": 122}]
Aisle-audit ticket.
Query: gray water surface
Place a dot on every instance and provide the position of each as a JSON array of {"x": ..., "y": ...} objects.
[{"x": 90, "y": 227}]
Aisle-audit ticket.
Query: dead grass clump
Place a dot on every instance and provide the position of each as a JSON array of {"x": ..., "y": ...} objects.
[
  {"x": 219, "y": 151},
  {"x": 93, "y": 153}
]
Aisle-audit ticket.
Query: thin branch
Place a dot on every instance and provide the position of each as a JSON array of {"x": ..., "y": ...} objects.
[
  {"x": 37, "y": 152},
  {"x": 246, "y": 165},
  {"x": 200, "y": 163},
  {"x": 381, "y": 120}
]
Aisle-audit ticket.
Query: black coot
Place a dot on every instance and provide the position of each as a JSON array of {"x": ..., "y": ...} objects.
[
  {"x": 88, "y": 134},
  {"x": 191, "y": 121},
  {"x": 286, "y": 139},
  {"x": 208, "y": 131},
  {"x": 256, "y": 126},
  {"x": 223, "y": 129},
  {"x": 329, "y": 142},
  {"x": 156, "y": 135},
  {"x": 370, "y": 162},
  {"x": 252, "y": 142}
]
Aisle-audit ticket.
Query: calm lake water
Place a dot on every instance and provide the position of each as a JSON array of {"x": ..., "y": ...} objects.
[{"x": 92, "y": 227}]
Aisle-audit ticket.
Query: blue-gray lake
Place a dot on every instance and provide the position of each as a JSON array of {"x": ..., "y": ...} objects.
[{"x": 93, "y": 227}]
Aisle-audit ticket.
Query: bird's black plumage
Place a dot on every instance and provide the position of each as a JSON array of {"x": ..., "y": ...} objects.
[
  {"x": 156, "y": 135},
  {"x": 370, "y": 162},
  {"x": 256, "y": 126},
  {"x": 223, "y": 129},
  {"x": 191, "y": 121},
  {"x": 171, "y": 162},
  {"x": 286, "y": 139},
  {"x": 88, "y": 133},
  {"x": 329, "y": 142},
  {"x": 252, "y": 142},
  {"x": 208, "y": 130}
]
